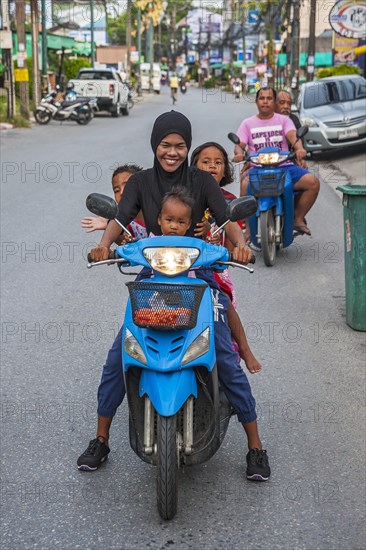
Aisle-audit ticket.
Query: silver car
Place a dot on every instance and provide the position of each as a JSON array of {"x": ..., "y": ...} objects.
[{"x": 334, "y": 109}]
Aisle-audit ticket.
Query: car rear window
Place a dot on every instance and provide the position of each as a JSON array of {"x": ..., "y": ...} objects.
[
  {"x": 97, "y": 75},
  {"x": 323, "y": 93}
]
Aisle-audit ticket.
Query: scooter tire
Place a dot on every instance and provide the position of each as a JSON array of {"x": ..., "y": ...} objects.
[
  {"x": 85, "y": 118},
  {"x": 268, "y": 241},
  {"x": 167, "y": 467},
  {"x": 42, "y": 117}
]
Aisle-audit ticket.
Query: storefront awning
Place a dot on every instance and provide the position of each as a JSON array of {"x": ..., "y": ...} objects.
[{"x": 322, "y": 59}]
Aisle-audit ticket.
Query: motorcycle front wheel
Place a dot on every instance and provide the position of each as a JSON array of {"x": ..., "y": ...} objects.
[
  {"x": 167, "y": 467},
  {"x": 268, "y": 241},
  {"x": 84, "y": 116},
  {"x": 42, "y": 117}
]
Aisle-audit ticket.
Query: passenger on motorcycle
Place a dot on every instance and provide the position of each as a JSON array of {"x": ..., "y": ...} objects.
[
  {"x": 213, "y": 158},
  {"x": 170, "y": 140},
  {"x": 270, "y": 129},
  {"x": 70, "y": 94}
]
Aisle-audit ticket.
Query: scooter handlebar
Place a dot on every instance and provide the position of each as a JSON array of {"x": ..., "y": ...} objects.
[
  {"x": 112, "y": 256},
  {"x": 251, "y": 261}
]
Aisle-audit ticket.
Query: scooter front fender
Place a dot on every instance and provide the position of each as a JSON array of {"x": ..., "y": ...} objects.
[{"x": 168, "y": 391}]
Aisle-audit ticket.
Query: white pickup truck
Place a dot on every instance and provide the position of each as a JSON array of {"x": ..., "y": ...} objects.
[{"x": 106, "y": 86}]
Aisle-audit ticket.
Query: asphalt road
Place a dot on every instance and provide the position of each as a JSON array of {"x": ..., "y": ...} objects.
[{"x": 59, "y": 320}]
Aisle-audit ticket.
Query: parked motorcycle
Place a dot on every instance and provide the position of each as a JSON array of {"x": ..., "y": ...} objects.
[
  {"x": 178, "y": 415},
  {"x": 272, "y": 226},
  {"x": 81, "y": 110}
]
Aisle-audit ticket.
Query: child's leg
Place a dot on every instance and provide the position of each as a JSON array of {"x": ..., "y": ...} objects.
[
  {"x": 238, "y": 334},
  {"x": 251, "y": 429},
  {"x": 103, "y": 427}
]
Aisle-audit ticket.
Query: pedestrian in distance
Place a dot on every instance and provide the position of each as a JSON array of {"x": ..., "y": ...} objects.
[{"x": 174, "y": 84}]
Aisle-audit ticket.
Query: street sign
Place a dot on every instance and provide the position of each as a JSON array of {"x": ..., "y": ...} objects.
[
  {"x": 21, "y": 75},
  {"x": 348, "y": 18},
  {"x": 253, "y": 17}
]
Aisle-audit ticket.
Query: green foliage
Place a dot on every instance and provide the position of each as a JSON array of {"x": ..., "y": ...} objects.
[
  {"x": 72, "y": 66},
  {"x": 117, "y": 29},
  {"x": 210, "y": 83},
  {"x": 17, "y": 120},
  {"x": 338, "y": 70}
]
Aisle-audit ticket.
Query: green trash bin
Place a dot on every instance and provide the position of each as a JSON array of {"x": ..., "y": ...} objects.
[{"x": 354, "y": 215}]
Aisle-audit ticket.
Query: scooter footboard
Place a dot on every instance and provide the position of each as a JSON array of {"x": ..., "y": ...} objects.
[{"x": 168, "y": 391}]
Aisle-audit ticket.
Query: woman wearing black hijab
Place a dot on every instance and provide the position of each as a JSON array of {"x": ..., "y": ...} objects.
[{"x": 170, "y": 141}]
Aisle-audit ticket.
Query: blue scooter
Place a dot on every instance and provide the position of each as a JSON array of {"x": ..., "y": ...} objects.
[
  {"x": 178, "y": 415},
  {"x": 272, "y": 226}
]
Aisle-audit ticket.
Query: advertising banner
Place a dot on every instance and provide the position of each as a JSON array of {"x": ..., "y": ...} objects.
[
  {"x": 343, "y": 50},
  {"x": 348, "y": 18}
]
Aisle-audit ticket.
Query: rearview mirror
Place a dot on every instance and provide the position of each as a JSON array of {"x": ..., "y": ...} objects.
[
  {"x": 101, "y": 205},
  {"x": 234, "y": 138},
  {"x": 240, "y": 208}
]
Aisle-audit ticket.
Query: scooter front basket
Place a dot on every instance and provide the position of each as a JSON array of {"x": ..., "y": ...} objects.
[
  {"x": 267, "y": 183},
  {"x": 165, "y": 306}
]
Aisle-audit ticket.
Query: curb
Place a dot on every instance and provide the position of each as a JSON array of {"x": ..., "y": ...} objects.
[{"x": 6, "y": 126}]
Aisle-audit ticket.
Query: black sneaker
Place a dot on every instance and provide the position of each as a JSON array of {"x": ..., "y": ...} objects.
[
  {"x": 96, "y": 453},
  {"x": 258, "y": 468}
]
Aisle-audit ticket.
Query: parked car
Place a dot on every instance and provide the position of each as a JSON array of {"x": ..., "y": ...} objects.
[
  {"x": 106, "y": 86},
  {"x": 334, "y": 109}
]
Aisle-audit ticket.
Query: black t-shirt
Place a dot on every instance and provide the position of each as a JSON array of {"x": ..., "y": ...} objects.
[
  {"x": 142, "y": 193},
  {"x": 295, "y": 120}
]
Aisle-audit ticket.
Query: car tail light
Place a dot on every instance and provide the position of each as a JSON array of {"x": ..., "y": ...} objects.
[{"x": 111, "y": 89}]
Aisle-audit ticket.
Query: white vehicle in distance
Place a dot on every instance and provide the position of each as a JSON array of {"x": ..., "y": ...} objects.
[{"x": 145, "y": 77}]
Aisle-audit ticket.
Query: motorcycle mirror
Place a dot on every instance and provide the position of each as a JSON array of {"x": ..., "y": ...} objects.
[
  {"x": 240, "y": 208},
  {"x": 101, "y": 205},
  {"x": 302, "y": 131},
  {"x": 234, "y": 138}
]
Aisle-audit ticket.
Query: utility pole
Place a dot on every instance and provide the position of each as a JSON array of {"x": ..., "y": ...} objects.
[
  {"x": 312, "y": 40},
  {"x": 92, "y": 53},
  {"x": 44, "y": 38},
  {"x": 22, "y": 51},
  {"x": 35, "y": 45},
  {"x": 295, "y": 46},
  {"x": 139, "y": 92},
  {"x": 128, "y": 39},
  {"x": 208, "y": 46},
  {"x": 7, "y": 49}
]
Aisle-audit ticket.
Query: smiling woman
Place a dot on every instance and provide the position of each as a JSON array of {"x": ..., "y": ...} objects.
[{"x": 171, "y": 152}]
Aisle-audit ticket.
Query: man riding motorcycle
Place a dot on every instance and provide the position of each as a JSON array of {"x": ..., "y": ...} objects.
[{"x": 269, "y": 129}]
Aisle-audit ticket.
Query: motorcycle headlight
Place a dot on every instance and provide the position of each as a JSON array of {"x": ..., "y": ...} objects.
[
  {"x": 308, "y": 122},
  {"x": 267, "y": 158},
  {"x": 133, "y": 348},
  {"x": 171, "y": 260},
  {"x": 199, "y": 347}
]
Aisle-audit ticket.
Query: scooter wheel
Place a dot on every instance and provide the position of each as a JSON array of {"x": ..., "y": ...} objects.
[
  {"x": 42, "y": 117},
  {"x": 167, "y": 467},
  {"x": 268, "y": 241},
  {"x": 84, "y": 116}
]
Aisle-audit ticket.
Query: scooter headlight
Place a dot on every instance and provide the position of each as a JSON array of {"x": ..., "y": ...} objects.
[
  {"x": 133, "y": 348},
  {"x": 268, "y": 158},
  {"x": 171, "y": 260},
  {"x": 199, "y": 347}
]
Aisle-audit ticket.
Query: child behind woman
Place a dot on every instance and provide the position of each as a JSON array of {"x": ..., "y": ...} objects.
[
  {"x": 213, "y": 158},
  {"x": 120, "y": 177}
]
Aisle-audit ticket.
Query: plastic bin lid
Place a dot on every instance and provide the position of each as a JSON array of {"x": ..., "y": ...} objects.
[{"x": 352, "y": 189}]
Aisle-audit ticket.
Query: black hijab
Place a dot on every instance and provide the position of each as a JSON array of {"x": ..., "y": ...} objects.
[{"x": 171, "y": 122}]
